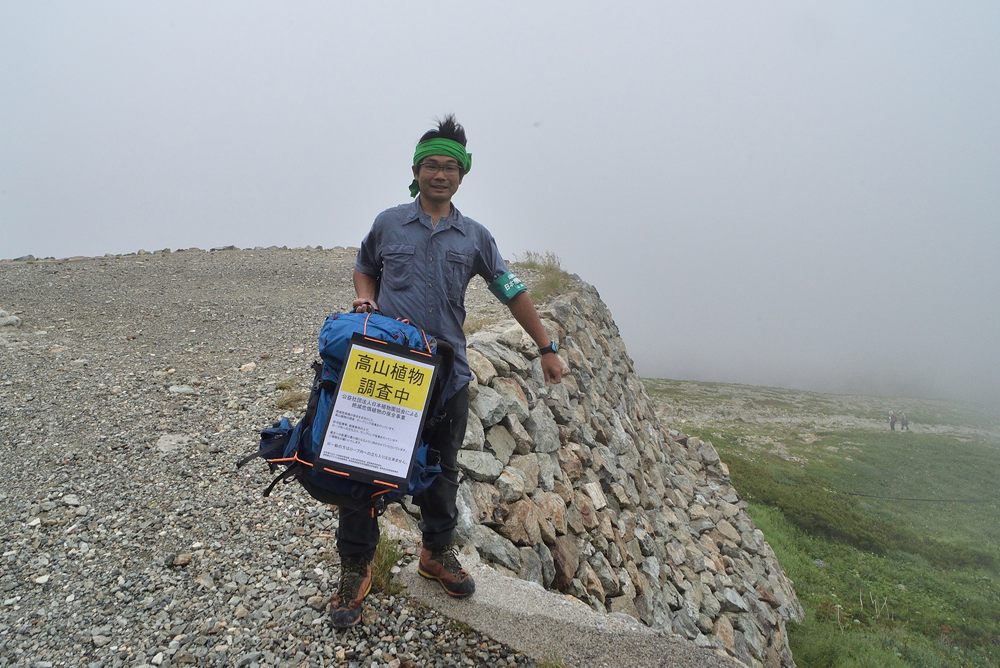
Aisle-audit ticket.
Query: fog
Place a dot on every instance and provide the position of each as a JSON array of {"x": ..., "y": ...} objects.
[{"x": 795, "y": 194}]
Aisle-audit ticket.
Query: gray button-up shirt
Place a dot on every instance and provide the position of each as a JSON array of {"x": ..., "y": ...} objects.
[{"x": 423, "y": 272}]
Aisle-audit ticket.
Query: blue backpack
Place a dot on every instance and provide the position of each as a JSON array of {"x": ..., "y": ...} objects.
[{"x": 295, "y": 447}]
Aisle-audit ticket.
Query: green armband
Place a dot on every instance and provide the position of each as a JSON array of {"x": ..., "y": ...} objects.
[{"x": 506, "y": 287}]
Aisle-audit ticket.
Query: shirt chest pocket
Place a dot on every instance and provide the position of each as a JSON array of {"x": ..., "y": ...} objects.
[
  {"x": 459, "y": 268},
  {"x": 398, "y": 266}
]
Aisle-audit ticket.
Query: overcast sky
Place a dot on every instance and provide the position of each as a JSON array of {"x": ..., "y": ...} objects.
[{"x": 796, "y": 194}]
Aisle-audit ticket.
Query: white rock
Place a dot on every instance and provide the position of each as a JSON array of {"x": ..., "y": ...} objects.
[{"x": 171, "y": 442}]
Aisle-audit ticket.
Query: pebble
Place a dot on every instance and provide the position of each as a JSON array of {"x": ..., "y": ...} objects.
[{"x": 108, "y": 523}]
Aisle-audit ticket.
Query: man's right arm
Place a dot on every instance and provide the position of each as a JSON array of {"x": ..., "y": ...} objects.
[{"x": 365, "y": 286}]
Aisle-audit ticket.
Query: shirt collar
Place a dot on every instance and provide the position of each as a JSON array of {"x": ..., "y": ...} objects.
[{"x": 454, "y": 219}]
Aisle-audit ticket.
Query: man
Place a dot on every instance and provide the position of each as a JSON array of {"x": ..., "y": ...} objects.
[{"x": 416, "y": 263}]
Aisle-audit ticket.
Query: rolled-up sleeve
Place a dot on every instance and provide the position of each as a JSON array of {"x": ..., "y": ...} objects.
[
  {"x": 369, "y": 262},
  {"x": 490, "y": 265}
]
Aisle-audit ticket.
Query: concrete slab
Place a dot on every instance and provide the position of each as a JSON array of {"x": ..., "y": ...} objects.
[{"x": 547, "y": 625}]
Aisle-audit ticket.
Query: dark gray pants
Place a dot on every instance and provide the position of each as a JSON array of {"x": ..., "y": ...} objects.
[{"x": 358, "y": 533}]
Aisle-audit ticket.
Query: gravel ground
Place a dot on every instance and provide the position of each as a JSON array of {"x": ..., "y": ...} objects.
[{"x": 128, "y": 538}]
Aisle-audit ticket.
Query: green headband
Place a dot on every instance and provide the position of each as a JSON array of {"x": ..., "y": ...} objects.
[{"x": 440, "y": 146}]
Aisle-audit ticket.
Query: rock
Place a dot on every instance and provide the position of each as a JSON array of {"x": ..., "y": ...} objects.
[
  {"x": 181, "y": 389},
  {"x": 515, "y": 402},
  {"x": 249, "y": 366},
  {"x": 684, "y": 624},
  {"x": 531, "y": 566},
  {"x": 494, "y": 547},
  {"x": 481, "y": 466},
  {"x": 71, "y": 500},
  {"x": 710, "y": 605},
  {"x": 488, "y": 406},
  {"x": 543, "y": 429},
  {"x": 100, "y": 641},
  {"x": 752, "y": 541},
  {"x": 566, "y": 560},
  {"x": 708, "y": 454},
  {"x": 596, "y": 494},
  {"x": 499, "y": 440},
  {"x": 723, "y": 631},
  {"x": 570, "y": 464},
  {"x": 548, "y": 470},
  {"x": 481, "y": 367},
  {"x": 475, "y": 437},
  {"x": 523, "y": 444},
  {"x": 511, "y": 484},
  {"x": 552, "y": 508},
  {"x": 171, "y": 442},
  {"x": 768, "y": 596},
  {"x": 584, "y": 506},
  {"x": 181, "y": 559},
  {"x": 483, "y": 344},
  {"x": 521, "y": 524},
  {"x": 486, "y": 499},
  {"x": 548, "y": 565},
  {"x": 602, "y": 569},
  {"x": 727, "y": 530},
  {"x": 248, "y": 658},
  {"x": 752, "y": 635},
  {"x": 527, "y": 464},
  {"x": 586, "y": 575},
  {"x": 733, "y": 602}
]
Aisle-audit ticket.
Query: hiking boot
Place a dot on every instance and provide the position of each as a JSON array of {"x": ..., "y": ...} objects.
[
  {"x": 355, "y": 583},
  {"x": 442, "y": 565}
]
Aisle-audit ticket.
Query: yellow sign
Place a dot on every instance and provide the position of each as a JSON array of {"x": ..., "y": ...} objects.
[{"x": 396, "y": 381}]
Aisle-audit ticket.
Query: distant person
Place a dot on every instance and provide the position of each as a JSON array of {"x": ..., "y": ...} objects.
[
  {"x": 416, "y": 262},
  {"x": 903, "y": 422},
  {"x": 892, "y": 420}
]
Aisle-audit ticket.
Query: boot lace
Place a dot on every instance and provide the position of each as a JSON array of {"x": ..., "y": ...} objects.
[
  {"x": 353, "y": 573},
  {"x": 448, "y": 557}
]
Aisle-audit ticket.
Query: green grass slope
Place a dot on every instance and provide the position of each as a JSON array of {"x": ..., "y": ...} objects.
[{"x": 906, "y": 575}]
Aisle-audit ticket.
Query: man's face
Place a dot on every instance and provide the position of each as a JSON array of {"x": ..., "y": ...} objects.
[{"x": 437, "y": 184}]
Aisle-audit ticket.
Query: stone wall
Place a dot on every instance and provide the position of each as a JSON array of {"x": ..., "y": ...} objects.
[{"x": 579, "y": 488}]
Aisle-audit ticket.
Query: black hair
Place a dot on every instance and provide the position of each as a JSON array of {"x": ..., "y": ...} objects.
[{"x": 448, "y": 128}]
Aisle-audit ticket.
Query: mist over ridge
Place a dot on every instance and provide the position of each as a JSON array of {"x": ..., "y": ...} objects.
[{"x": 778, "y": 195}]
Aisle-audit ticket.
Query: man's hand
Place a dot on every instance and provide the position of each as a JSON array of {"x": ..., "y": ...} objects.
[
  {"x": 364, "y": 306},
  {"x": 552, "y": 368},
  {"x": 366, "y": 288},
  {"x": 524, "y": 312}
]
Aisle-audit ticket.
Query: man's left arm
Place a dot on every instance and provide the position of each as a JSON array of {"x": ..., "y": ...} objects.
[
  {"x": 509, "y": 289},
  {"x": 523, "y": 310}
]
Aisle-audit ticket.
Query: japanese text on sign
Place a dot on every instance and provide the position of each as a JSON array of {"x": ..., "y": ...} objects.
[
  {"x": 386, "y": 378},
  {"x": 376, "y": 418}
]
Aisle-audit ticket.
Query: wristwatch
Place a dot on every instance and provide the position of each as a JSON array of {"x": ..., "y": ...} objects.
[{"x": 551, "y": 348}]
